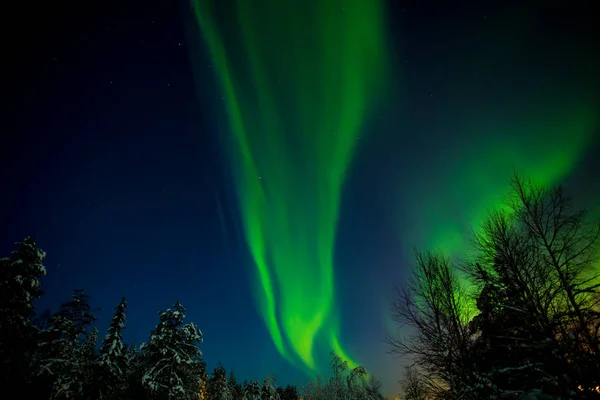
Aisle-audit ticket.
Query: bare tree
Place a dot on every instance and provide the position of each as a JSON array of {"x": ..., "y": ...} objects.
[
  {"x": 539, "y": 290},
  {"x": 413, "y": 386},
  {"x": 514, "y": 331},
  {"x": 568, "y": 242},
  {"x": 434, "y": 304}
]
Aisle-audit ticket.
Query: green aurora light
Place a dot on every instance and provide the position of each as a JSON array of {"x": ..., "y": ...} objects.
[
  {"x": 544, "y": 148},
  {"x": 505, "y": 106},
  {"x": 298, "y": 78}
]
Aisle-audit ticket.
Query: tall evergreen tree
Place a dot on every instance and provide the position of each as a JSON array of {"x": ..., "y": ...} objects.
[
  {"x": 290, "y": 392},
  {"x": 268, "y": 391},
  {"x": 89, "y": 371},
  {"x": 172, "y": 357},
  {"x": 134, "y": 364},
  {"x": 89, "y": 344},
  {"x": 111, "y": 353},
  {"x": 64, "y": 350},
  {"x": 217, "y": 385},
  {"x": 112, "y": 360},
  {"x": 235, "y": 389},
  {"x": 20, "y": 286},
  {"x": 251, "y": 390}
]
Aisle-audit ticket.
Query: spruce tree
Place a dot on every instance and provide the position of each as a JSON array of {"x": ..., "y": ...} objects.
[
  {"x": 268, "y": 391},
  {"x": 288, "y": 393},
  {"x": 64, "y": 349},
  {"x": 20, "y": 286},
  {"x": 89, "y": 371},
  {"x": 134, "y": 364},
  {"x": 252, "y": 390},
  {"x": 235, "y": 389},
  {"x": 79, "y": 313},
  {"x": 112, "y": 360},
  {"x": 172, "y": 357},
  {"x": 217, "y": 385},
  {"x": 89, "y": 344}
]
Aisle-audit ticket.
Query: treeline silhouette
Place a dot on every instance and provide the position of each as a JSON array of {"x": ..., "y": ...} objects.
[
  {"x": 57, "y": 356},
  {"x": 518, "y": 319}
]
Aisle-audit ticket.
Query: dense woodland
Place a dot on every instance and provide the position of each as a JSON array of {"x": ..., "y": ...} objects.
[{"x": 519, "y": 319}]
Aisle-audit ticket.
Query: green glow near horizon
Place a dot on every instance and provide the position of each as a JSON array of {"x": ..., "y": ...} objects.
[
  {"x": 298, "y": 79},
  {"x": 544, "y": 148}
]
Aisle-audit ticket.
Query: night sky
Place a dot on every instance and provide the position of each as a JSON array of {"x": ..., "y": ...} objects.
[{"x": 282, "y": 209}]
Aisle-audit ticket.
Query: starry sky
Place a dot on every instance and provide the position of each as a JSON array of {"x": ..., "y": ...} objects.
[{"x": 143, "y": 174}]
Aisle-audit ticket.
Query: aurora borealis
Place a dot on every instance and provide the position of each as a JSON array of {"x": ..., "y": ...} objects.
[
  {"x": 280, "y": 78},
  {"x": 271, "y": 164},
  {"x": 538, "y": 149},
  {"x": 523, "y": 117},
  {"x": 295, "y": 120}
]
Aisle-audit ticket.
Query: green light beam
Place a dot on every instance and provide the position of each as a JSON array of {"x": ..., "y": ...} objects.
[{"x": 298, "y": 79}]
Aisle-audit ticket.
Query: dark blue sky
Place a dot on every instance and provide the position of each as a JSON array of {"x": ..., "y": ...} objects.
[
  {"x": 108, "y": 160},
  {"x": 111, "y": 167}
]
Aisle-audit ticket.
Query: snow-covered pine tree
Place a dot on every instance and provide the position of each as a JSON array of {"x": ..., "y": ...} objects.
[
  {"x": 111, "y": 354},
  {"x": 78, "y": 311},
  {"x": 252, "y": 390},
  {"x": 20, "y": 285},
  {"x": 268, "y": 391},
  {"x": 217, "y": 385},
  {"x": 288, "y": 393},
  {"x": 111, "y": 360},
  {"x": 133, "y": 358},
  {"x": 172, "y": 357},
  {"x": 89, "y": 375},
  {"x": 88, "y": 348},
  {"x": 235, "y": 389},
  {"x": 64, "y": 349},
  {"x": 134, "y": 363}
]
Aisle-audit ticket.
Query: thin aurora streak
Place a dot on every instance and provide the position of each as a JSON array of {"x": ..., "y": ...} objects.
[{"x": 290, "y": 162}]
